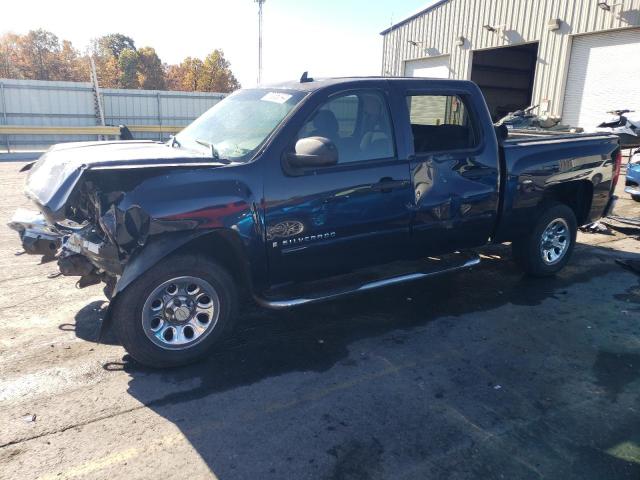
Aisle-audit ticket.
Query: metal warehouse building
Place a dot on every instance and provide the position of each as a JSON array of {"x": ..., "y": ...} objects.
[{"x": 575, "y": 58}]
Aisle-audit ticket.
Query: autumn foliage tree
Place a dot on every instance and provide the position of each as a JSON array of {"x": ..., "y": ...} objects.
[
  {"x": 41, "y": 55},
  {"x": 211, "y": 75}
]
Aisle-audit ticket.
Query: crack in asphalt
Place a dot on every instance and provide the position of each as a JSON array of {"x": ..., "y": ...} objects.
[{"x": 76, "y": 425}]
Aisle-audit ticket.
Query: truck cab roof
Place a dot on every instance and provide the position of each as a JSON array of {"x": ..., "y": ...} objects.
[{"x": 314, "y": 84}]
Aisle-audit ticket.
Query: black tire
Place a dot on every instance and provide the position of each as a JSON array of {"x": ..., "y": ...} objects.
[
  {"x": 128, "y": 308},
  {"x": 636, "y": 198},
  {"x": 527, "y": 251}
]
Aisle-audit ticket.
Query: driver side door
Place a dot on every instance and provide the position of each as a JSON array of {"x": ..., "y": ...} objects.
[{"x": 329, "y": 220}]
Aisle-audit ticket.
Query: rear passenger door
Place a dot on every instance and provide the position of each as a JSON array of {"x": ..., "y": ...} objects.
[{"x": 454, "y": 172}]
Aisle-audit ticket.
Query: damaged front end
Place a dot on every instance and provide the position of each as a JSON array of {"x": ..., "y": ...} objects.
[
  {"x": 80, "y": 250},
  {"x": 86, "y": 222}
]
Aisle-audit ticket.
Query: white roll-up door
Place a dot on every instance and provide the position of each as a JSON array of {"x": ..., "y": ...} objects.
[
  {"x": 604, "y": 75},
  {"x": 437, "y": 67}
]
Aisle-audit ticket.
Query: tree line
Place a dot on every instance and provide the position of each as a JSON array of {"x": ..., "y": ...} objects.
[{"x": 41, "y": 55}]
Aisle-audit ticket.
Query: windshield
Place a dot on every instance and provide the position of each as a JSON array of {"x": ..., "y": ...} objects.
[{"x": 235, "y": 127}]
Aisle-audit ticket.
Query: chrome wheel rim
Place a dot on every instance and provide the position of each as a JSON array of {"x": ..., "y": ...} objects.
[
  {"x": 555, "y": 241},
  {"x": 180, "y": 313}
]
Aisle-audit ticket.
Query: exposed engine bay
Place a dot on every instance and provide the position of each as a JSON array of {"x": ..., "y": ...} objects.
[{"x": 90, "y": 221}]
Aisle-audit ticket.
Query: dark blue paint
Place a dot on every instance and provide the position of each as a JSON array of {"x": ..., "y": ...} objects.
[{"x": 292, "y": 226}]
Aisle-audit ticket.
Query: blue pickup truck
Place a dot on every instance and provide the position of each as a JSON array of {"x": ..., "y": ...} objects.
[{"x": 304, "y": 192}]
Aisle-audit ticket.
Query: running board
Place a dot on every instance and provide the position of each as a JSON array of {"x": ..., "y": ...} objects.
[{"x": 278, "y": 302}]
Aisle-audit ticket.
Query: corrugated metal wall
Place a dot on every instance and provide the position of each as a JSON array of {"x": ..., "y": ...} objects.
[
  {"x": 437, "y": 30},
  {"x": 45, "y": 103}
]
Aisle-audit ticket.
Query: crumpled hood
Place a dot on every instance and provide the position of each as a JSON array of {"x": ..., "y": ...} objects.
[{"x": 56, "y": 173}]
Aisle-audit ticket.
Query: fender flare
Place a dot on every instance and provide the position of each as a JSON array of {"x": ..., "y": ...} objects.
[
  {"x": 153, "y": 251},
  {"x": 151, "y": 254}
]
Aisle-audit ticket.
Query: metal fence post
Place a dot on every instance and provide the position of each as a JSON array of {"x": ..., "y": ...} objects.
[
  {"x": 159, "y": 114},
  {"x": 4, "y": 114}
]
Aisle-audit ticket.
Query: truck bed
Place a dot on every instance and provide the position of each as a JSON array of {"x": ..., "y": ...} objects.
[
  {"x": 579, "y": 168},
  {"x": 529, "y": 136}
]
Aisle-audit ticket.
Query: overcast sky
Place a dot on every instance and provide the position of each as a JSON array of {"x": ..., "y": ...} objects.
[{"x": 328, "y": 37}]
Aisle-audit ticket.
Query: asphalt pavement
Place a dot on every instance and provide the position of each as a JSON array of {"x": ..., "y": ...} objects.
[{"x": 476, "y": 375}]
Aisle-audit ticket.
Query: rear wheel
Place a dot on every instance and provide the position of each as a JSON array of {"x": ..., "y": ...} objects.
[
  {"x": 547, "y": 249},
  {"x": 176, "y": 312},
  {"x": 636, "y": 197}
]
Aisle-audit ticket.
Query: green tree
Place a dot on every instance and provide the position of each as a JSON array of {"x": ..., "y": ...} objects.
[
  {"x": 116, "y": 60},
  {"x": 128, "y": 65},
  {"x": 151, "y": 74},
  {"x": 113, "y": 44}
]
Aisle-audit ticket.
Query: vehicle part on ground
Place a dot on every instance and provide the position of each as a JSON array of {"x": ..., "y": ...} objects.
[
  {"x": 595, "y": 227},
  {"x": 627, "y": 221},
  {"x": 548, "y": 247},
  {"x": 177, "y": 311}
]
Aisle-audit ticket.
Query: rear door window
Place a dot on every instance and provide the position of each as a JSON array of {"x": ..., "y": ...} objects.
[{"x": 441, "y": 123}]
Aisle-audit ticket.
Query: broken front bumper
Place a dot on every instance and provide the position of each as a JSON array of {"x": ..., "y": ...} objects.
[
  {"x": 37, "y": 236},
  {"x": 80, "y": 251}
]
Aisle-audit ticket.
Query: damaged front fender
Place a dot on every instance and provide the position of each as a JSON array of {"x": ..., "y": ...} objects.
[
  {"x": 129, "y": 215},
  {"x": 154, "y": 251}
]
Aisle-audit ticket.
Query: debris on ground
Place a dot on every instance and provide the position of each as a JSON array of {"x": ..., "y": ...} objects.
[
  {"x": 632, "y": 265},
  {"x": 596, "y": 227},
  {"x": 628, "y": 226},
  {"x": 626, "y": 220},
  {"x": 29, "y": 417}
]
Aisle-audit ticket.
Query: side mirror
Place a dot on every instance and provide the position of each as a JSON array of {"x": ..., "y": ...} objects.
[{"x": 314, "y": 152}]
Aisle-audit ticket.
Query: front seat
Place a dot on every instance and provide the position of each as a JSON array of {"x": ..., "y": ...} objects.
[
  {"x": 326, "y": 125},
  {"x": 376, "y": 138}
]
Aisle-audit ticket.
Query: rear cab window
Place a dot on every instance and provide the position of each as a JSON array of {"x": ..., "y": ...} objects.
[{"x": 441, "y": 123}]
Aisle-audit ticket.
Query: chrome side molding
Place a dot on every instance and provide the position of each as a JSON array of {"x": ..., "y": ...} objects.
[{"x": 295, "y": 302}]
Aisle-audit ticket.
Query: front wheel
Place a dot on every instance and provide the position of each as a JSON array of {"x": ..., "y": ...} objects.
[
  {"x": 547, "y": 249},
  {"x": 176, "y": 312}
]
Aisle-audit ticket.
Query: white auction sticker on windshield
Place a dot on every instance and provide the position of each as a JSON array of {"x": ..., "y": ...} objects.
[{"x": 276, "y": 97}]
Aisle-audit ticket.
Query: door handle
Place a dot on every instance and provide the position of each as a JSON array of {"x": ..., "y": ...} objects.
[{"x": 387, "y": 184}]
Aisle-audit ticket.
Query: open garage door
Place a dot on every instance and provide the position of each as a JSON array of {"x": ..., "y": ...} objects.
[
  {"x": 604, "y": 75},
  {"x": 505, "y": 76},
  {"x": 437, "y": 67}
]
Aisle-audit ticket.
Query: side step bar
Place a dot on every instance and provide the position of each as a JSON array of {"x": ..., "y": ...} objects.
[{"x": 282, "y": 303}]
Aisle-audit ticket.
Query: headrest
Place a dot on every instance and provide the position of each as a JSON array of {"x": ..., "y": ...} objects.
[{"x": 326, "y": 124}]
